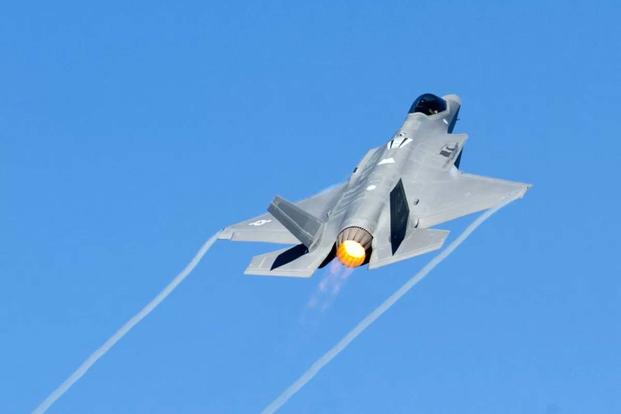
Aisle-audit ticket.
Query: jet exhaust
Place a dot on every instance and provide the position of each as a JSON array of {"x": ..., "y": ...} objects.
[{"x": 353, "y": 246}]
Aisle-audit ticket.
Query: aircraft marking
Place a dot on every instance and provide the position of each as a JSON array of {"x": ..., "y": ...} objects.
[
  {"x": 260, "y": 222},
  {"x": 386, "y": 161}
]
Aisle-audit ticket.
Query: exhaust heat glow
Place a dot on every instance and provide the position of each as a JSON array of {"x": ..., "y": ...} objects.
[{"x": 351, "y": 253}]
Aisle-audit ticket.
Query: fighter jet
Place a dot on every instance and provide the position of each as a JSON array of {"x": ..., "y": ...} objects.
[{"x": 387, "y": 209}]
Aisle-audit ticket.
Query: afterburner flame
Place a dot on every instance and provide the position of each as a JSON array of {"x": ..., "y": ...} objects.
[{"x": 351, "y": 253}]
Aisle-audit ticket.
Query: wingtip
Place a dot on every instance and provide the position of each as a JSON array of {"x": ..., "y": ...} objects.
[{"x": 523, "y": 190}]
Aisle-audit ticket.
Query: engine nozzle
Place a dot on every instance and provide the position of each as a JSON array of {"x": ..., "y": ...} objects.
[{"x": 352, "y": 245}]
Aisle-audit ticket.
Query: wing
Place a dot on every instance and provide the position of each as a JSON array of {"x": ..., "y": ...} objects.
[
  {"x": 448, "y": 195},
  {"x": 441, "y": 196},
  {"x": 396, "y": 237},
  {"x": 265, "y": 228},
  {"x": 439, "y": 192}
]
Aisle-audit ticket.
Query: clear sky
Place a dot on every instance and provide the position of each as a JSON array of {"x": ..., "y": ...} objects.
[{"x": 131, "y": 133}]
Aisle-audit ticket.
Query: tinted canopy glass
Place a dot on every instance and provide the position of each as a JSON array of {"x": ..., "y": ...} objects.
[{"x": 428, "y": 104}]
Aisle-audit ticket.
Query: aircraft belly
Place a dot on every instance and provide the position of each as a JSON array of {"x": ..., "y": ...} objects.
[{"x": 365, "y": 207}]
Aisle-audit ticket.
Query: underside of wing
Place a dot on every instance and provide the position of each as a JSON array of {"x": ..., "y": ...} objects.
[
  {"x": 455, "y": 194},
  {"x": 397, "y": 237},
  {"x": 265, "y": 228},
  {"x": 414, "y": 206}
]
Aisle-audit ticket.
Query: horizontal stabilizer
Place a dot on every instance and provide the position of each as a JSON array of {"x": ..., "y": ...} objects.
[
  {"x": 276, "y": 234},
  {"x": 416, "y": 242},
  {"x": 294, "y": 261},
  {"x": 265, "y": 228}
]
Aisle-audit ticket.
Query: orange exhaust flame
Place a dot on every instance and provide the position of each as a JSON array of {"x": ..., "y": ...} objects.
[{"x": 351, "y": 253}]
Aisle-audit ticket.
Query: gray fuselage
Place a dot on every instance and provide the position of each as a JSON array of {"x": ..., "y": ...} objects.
[{"x": 369, "y": 186}]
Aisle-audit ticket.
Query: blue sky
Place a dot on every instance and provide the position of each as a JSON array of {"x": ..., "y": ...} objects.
[{"x": 130, "y": 133}]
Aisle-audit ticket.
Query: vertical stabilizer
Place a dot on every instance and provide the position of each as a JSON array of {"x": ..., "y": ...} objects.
[{"x": 303, "y": 225}]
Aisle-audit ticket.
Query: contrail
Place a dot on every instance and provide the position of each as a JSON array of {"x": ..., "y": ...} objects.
[
  {"x": 372, "y": 317},
  {"x": 123, "y": 330}
]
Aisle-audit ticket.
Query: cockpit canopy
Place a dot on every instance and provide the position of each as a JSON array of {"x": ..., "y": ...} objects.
[{"x": 428, "y": 104}]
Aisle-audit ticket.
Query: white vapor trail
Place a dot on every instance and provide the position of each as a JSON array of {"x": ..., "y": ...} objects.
[
  {"x": 123, "y": 330},
  {"x": 373, "y": 316}
]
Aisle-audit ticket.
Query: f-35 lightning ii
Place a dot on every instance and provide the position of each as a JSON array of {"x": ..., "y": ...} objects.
[{"x": 386, "y": 210}]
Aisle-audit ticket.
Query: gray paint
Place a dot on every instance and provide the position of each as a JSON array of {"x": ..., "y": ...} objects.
[{"x": 421, "y": 154}]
